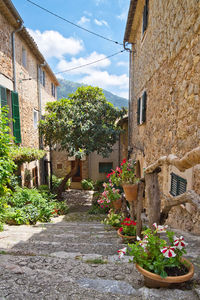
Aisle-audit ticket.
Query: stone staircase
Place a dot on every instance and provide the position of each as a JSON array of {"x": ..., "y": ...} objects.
[{"x": 74, "y": 257}]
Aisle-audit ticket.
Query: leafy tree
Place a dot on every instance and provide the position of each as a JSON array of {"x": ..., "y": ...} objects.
[
  {"x": 81, "y": 124},
  {"x": 6, "y": 163}
]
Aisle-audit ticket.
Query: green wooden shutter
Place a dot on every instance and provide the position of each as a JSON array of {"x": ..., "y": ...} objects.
[
  {"x": 138, "y": 111},
  {"x": 3, "y": 97},
  {"x": 145, "y": 16},
  {"x": 144, "y": 104},
  {"x": 16, "y": 117}
]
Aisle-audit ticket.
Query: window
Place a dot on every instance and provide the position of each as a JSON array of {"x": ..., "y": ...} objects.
[
  {"x": 53, "y": 90},
  {"x": 145, "y": 16},
  {"x": 35, "y": 118},
  {"x": 16, "y": 117},
  {"x": 3, "y": 96},
  {"x": 42, "y": 77},
  {"x": 141, "y": 109},
  {"x": 178, "y": 185},
  {"x": 59, "y": 166},
  {"x": 105, "y": 167}
]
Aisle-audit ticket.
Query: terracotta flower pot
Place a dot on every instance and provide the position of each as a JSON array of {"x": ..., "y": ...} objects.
[
  {"x": 117, "y": 204},
  {"x": 130, "y": 191},
  {"x": 154, "y": 281},
  {"x": 125, "y": 237}
]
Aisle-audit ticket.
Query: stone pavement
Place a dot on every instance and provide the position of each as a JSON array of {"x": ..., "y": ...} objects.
[{"x": 74, "y": 257}]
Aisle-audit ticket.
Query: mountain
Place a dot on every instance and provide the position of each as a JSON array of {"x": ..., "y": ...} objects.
[{"x": 68, "y": 87}]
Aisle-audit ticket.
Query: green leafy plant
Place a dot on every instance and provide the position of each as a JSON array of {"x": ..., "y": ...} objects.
[
  {"x": 24, "y": 154},
  {"x": 56, "y": 181},
  {"x": 113, "y": 219},
  {"x": 87, "y": 184},
  {"x": 109, "y": 195},
  {"x": 128, "y": 227},
  {"x": 7, "y": 165},
  {"x": 158, "y": 255},
  {"x": 123, "y": 174}
]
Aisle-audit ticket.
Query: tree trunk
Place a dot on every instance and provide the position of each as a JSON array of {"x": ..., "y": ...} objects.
[
  {"x": 153, "y": 196},
  {"x": 124, "y": 207},
  {"x": 139, "y": 208},
  {"x": 61, "y": 187},
  {"x": 188, "y": 197},
  {"x": 132, "y": 210}
]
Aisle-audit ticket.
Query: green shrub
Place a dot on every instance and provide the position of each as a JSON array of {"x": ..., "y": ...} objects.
[
  {"x": 56, "y": 181},
  {"x": 98, "y": 186},
  {"x": 62, "y": 208},
  {"x": 87, "y": 184}
]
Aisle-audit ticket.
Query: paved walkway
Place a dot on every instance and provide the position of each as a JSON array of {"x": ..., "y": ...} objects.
[{"x": 74, "y": 257}]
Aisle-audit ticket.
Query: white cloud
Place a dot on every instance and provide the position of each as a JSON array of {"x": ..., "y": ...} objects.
[
  {"x": 123, "y": 94},
  {"x": 53, "y": 44},
  {"x": 122, "y": 16},
  {"x": 99, "y": 2},
  {"x": 84, "y": 20},
  {"x": 76, "y": 62},
  {"x": 106, "y": 80},
  {"x": 122, "y": 64},
  {"x": 100, "y": 22}
]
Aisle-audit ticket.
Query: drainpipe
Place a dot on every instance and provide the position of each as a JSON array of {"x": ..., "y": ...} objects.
[
  {"x": 13, "y": 55},
  {"x": 39, "y": 118},
  {"x": 129, "y": 101}
]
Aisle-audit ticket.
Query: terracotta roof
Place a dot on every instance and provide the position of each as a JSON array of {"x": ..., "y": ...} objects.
[
  {"x": 9, "y": 11},
  {"x": 129, "y": 22}
]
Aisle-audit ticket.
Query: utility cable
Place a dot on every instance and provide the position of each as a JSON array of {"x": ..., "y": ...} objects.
[
  {"x": 62, "y": 18},
  {"x": 90, "y": 63}
]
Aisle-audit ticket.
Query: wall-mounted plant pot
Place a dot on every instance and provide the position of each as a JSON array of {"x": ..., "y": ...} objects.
[
  {"x": 117, "y": 204},
  {"x": 131, "y": 191}
]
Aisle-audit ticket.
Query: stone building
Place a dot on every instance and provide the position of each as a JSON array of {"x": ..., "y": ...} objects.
[
  {"x": 164, "y": 37},
  {"x": 94, "y": 166},
  {"x": 26, "y": 83}
]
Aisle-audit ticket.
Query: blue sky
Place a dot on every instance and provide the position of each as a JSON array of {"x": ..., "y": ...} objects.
[{"x": 65, "y": 46}]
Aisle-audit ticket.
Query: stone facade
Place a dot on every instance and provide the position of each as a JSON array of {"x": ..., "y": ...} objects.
[
  {"x": 32, "y": 94},
  {"x": 166, "y": 64},
  {"x": 89, "y": 166}
]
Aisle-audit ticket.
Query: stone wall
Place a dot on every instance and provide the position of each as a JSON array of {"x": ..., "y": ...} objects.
[
  {"x": 166, "y": 64},
  {"x": 28, "y": 90}
]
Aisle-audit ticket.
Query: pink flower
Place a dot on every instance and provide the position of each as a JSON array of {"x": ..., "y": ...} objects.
[
  {"x": 160, "y": 228},
  {"x": 168, "y": 251},
  {"x": 122, "y": 252},
  {"x": 179, "y": 242}
]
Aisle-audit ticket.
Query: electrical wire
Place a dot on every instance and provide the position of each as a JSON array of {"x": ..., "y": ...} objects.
[
  {"x": 62, "y": 18},
  {"x": 90, "y": 63}
]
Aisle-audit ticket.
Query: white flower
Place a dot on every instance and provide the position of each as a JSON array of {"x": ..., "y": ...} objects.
[
  {"x": 179, "y": 243},
  {"x": 160, "y": 228},
  {"x": 122, "y": 252},
  {"x": 168, "y": 251},
  {"x": 143, "y": 243}
]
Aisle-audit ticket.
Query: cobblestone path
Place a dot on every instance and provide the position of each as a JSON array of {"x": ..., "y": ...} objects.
[{"x": 74, "y": 257}]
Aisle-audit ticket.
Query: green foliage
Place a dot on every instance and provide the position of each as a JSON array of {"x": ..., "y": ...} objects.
[
  {"x": 95, "y": 208},
  {"x": 6, "y": 163},
  {"x": 87, "y": 184},
  {"x": 27, "y": 206},
  {"x": 148, "y": 252},
  {"x": 113, "y": 219},
  {"x": 82, "y": 124},
  {"x": 98, "y": 186},
  {"x": 124, "y": 174},
  {"x": 56, "y": 181},
  {"x": 68, "y": 87},
  {"x": 23, "y": 154}
]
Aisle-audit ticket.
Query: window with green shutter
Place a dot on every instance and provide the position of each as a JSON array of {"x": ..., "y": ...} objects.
[
  {"x": 3, "y": 96},
  {"x": 145, "y": 16},
  {"x": 16, "y": 117},
  {"x": 138, "y": 111},
  {"x": 144, "y": 103},
  {"x": 105, "y": 167},
  {"x": 178, "y": 185}
]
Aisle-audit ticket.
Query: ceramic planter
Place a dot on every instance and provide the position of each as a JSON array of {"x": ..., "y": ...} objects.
[
  {"x": 126, "y": 237},
  {"x": 130, "y": 191},
  {"x": 155, "y": 281},
  {"x": 117, "y": 204}
]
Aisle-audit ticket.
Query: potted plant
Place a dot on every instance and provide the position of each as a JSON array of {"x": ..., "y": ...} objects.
[
  {"x": 125, "y": 175},
  {"x": 160, "y": 260},
  {"x": 110, "y": 197},
  {"x": 127, "y": 231},
  {"x": 113, "y": 219}
]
